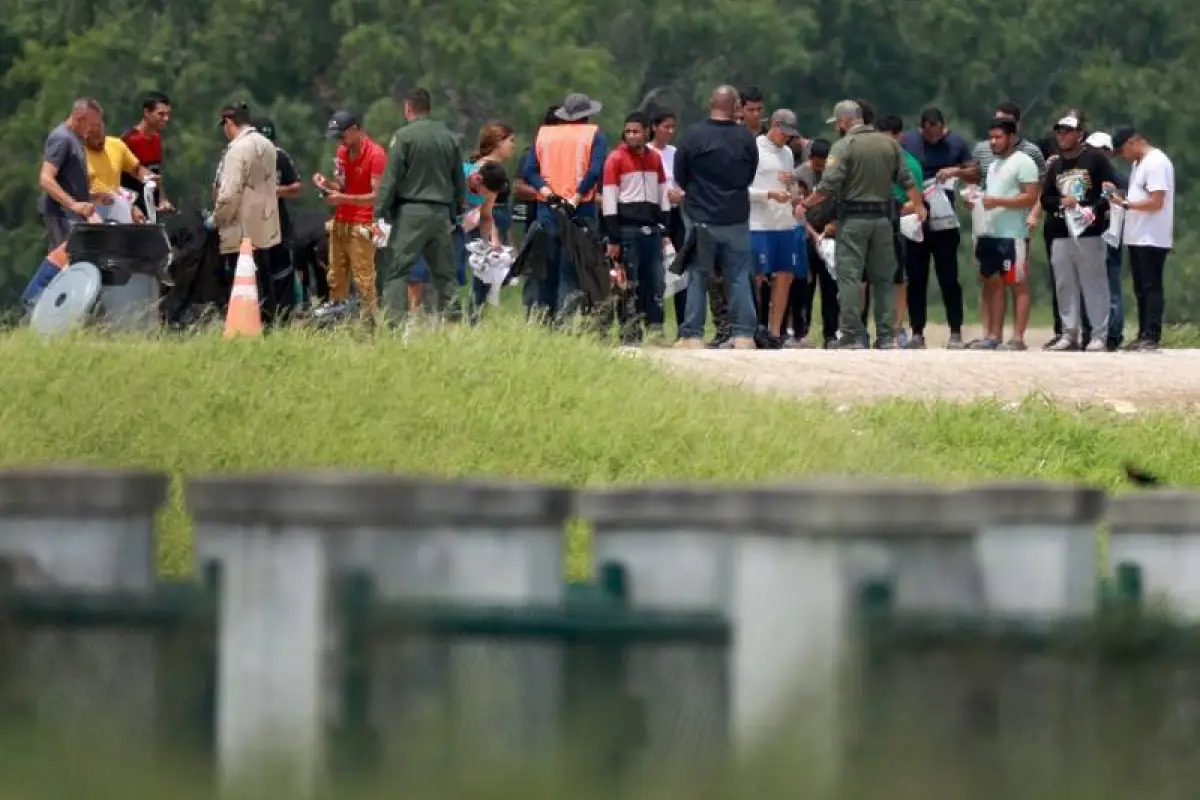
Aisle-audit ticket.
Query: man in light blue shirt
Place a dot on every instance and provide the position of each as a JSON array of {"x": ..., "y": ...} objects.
[{"x": 1012, "y": 189}]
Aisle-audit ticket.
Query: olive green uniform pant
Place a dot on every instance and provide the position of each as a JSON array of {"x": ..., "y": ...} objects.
[
  {"x": 420, "y": 230},
  {"x": 866, "y": 250}
]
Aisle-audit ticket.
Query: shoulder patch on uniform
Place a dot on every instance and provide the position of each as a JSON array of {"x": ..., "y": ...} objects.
[
  {"x": 830, "y": 160},
  {"x": 392, "y": 143}
]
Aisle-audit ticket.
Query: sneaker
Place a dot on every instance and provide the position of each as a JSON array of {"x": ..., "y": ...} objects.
[
  {"x": 1014, "y": 345},
  {"x": 1053, "y": 342},
  {"x": 955, "y": 342},
  {"x": 720, "y": 341},
  {"x": 743, "y": 343},
  {"x": 983, "y": 344},
  {"x": 866, "y": 341},
  {"x": 830, "y": 344},
  {"x": 848, "y": 343},
  {"x": 1096, "y": 346},
  {"x": 902, "y": 338},
  {"x": 1064, "y": 344},
  {"x": 886, "y": 344},
  {"x": 798, "y": 344},
  {"x": 916, "y": 341},
  {"x": 1147, "y": 346},
  {"x": 1112, "y": 345},
  {"x": 690, "y": 343},
  {"x": 771, "y": 342}
]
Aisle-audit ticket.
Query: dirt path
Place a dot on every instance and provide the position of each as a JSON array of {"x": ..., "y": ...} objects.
[{"x": 1125, "y": 382}]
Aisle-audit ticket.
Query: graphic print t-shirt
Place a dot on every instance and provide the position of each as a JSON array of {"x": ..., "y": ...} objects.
[{"x": 1081, "y": 177}]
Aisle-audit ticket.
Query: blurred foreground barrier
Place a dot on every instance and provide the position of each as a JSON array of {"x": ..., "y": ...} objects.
[
  {"x": 347, "y": 621},
  {"x": 1154, "y": 541},
  {"x": 78, "y": 529}
]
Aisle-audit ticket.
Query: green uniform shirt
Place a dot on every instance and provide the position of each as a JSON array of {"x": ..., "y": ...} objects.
[
  {"x": 862, "y": 167},
  {"x": 915, "y": 167},
  {"x": 424, "y": 166}
]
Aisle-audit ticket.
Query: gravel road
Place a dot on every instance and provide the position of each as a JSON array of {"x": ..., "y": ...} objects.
[{"x": 1125, "y": 382}]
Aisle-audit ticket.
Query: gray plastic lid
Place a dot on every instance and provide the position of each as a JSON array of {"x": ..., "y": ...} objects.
[{"x": 68, "y": 302}]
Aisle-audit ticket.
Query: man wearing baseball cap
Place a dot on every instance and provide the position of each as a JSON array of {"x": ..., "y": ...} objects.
[
  {"x": 1116, "y": 306},
  {"x": 352, "y": 191}
]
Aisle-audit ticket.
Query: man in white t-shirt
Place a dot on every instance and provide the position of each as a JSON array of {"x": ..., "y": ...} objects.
[
  {"x": 1011, "y": 191},
  {"x": 1149, "y": 229},
  {"x": 662, "y": 130},
  {"x": 772, "y": 223}
]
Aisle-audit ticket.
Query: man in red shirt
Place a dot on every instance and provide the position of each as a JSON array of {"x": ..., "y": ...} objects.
[
  {"x": 145, "y": 141},
  {"x": 360, "y": 163}
]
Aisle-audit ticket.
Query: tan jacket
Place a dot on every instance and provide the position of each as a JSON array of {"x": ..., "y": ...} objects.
[{"x": 247, "y": 202}]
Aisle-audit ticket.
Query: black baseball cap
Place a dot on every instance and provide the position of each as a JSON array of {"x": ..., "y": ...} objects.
[
  {"x": 238, "y": 112},
  {"x": 266, "y": 127},
  {"x": 1122, "y": 136},
  {"x": 339, "y": 123}
]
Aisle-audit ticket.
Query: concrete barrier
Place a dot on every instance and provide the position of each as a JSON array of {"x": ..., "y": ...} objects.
[
  {"x": 281, "y": 538},
  {"x": 80, "y": 529},
  {"x": 1159, "y": 533}
]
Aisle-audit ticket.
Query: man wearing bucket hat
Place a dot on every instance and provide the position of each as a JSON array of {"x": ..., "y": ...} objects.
[{"x": 567, "y": 161}]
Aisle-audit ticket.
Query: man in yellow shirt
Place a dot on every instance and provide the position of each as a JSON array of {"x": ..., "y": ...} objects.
[{"x": 107, "y": 159}]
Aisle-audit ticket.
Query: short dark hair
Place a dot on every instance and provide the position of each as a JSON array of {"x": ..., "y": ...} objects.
[
  {"x": 419, "y": 100},
  {"x": 660, "y": 116},
  {"x": 551, "y": 117},
  {"x": 152, "y": 100},
  {"x": 819, "y": 148},
  {"x": 890, "y": 123},
  {"x": 751, "y": 94},
  {"x": 493, "y": 177},
  {"x": 238, "y": 112},
  {"x": 868, "y": 112},
  {"x": 1004, "y": 124},
  {"x": 932, "y": 116},
  {"x": 1009, "y": 108},
  {"x": 639, "y": 117}
]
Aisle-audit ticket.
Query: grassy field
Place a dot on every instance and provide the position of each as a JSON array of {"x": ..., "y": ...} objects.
[{"x": 513, "y": 401}]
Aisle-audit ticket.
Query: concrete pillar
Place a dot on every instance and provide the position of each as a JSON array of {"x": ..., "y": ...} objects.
[
  {"x": 1159, "y": 532},
  {"x": 483, "y": 543},
  {"x": 1037, "y": 547},
  {"x": 80, "y": 529},
  {"x": 781, "y": 562}
]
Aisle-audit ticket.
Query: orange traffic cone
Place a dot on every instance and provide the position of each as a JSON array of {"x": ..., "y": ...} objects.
[{"x": 244, "y": 318}]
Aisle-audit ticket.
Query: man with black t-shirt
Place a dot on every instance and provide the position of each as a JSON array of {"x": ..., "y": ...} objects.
[
  {"x": 1076, "y": 216},
  {"x": 145, "y": 141},
  {"x": 289, "y": 185}
]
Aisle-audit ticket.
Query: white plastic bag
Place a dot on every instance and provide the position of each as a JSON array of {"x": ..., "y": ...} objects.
[
  {"x": 490, "y": 264},
  {"x": 383, "y": 232},
  {"x": 911, "y": 228},
  {"x": 1116, "y": 226},
  {"x": 827, "y": 249},
  {"x": 981, "y": 218},
  {"x": 148, "y": 191},
  {"x": 674, "y": 284},
  {"x": 941, "y": 209}
]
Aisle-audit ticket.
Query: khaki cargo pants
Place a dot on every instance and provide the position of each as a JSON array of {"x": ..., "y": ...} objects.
[{"x": 352, "y": 256}]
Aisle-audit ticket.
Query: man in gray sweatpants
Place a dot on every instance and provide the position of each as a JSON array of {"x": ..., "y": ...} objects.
[{"x": 1071, "y": 196}]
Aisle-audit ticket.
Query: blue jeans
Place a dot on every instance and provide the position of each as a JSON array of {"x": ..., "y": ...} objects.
[
  {"x": 42, "y": 276},
  {"x": 641, "y": 253},
  {"x": 1116, "y": 306},
  {"x": 733, "y": 258}
]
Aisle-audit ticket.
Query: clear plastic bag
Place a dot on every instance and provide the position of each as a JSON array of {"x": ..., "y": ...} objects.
[
  {"x": 1116, "y": 226},
  {"x": 911, "y": 228},
  {"x": 981, "y": 218},
  {"x": 941, "y": 209},
  {"x": 1078, "y": 220},
  {"x": 674, "y": 284},
  {"x": 827, "y": 249}
]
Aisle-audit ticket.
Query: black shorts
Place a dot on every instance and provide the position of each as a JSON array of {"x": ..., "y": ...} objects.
[{"x": 997, "y": 256}]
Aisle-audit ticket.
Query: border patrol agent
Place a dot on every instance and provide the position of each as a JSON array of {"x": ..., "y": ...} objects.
[{"x": 860, "y": 172}]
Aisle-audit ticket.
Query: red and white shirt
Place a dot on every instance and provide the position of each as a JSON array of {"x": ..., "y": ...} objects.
[{"x": 633, "y": 190}]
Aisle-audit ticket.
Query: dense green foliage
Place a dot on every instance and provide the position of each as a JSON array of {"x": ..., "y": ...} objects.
[{"x": 298, "y": 61}]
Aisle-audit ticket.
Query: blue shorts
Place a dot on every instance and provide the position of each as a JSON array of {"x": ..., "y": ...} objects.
[
  {"x": 774, "y": 251},
  {"x": 420, "y": 272},
  {"x": 801, "y": 270}
]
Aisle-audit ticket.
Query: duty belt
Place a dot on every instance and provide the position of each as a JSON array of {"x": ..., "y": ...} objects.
[{"x": 858, "y": 208}]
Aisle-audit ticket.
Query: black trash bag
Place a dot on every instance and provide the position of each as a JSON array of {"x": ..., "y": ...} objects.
[
  {"x": 585, "y": 249},
  {"x": 120, "y": 251}
]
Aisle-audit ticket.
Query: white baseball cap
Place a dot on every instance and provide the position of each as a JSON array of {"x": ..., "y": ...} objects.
[{"x": 1100, "y": 141}]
